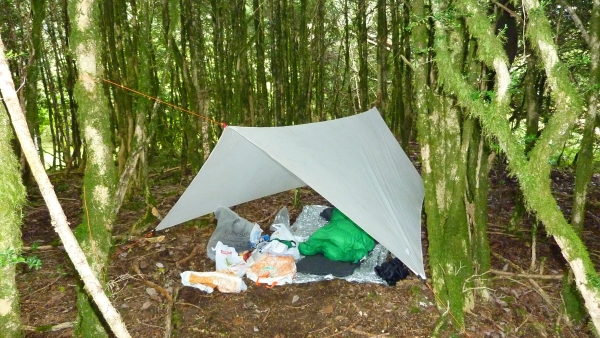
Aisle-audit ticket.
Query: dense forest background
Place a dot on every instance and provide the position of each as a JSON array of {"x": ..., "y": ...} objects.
[{"x": 114, "y": 88}]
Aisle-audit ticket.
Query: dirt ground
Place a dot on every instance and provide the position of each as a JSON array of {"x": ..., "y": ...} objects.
[{"x": 146, "y": 289}]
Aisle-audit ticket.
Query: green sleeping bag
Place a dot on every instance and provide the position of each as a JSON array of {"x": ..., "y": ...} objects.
[{"x": 340, "y": 240}]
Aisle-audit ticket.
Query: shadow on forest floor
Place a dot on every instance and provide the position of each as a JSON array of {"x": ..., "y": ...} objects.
[{"x": 517, "y": 307}]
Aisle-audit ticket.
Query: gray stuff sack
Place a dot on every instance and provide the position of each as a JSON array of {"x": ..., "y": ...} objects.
[{"x": 232, "y": 230}]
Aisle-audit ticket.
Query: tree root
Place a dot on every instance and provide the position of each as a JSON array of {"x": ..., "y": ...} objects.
[
  {"x": 190, "y": 256},
  {"x": 159, "y": 288}
]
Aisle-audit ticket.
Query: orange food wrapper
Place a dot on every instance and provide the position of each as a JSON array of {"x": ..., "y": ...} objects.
[{"x": 224, "y": 281}]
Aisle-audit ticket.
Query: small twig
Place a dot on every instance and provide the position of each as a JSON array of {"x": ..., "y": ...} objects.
[
  {"x": 268, "y": 217},
  {"x": 526, "y": 275},
  {"x": 321, "y": 329},
  {"x": 57, "y": 327},
  {"x": 296, "y": 307},
  {"x": 267, "y": 315},
  {"x": 535, "y": 285},
  {"x": 169, "y": 315},
  {"x": 160, "y": 289},
  {"x": 149, "y": 325},
  {"x": 41, "y": 248},
  {"x": 21, "y": 86},
  {"x": 370, "y": 335},
  {"x": 344, "y": 330},
  {"x": 577, "y": 22},
  {"x": 405, "y": 60},
  {"x": 509, "y": 11},
  {"x": 190, "y": 256},
  {"x": 523, "y": 323},
  {"x": 192, "y": 305},
  {"x": 40, "y": 289}
]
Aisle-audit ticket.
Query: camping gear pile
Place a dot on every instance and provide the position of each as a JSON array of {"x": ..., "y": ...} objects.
[
  {"x": 354, "y": 162},
  {"x": 327, "y": 246}
]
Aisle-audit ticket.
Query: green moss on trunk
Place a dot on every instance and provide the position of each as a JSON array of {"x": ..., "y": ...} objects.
[
  {"x": 12, "y": 195},
  {"x": 100, "y": 177}
]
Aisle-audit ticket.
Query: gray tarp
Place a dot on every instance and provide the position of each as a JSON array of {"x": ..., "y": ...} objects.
[{"x": 354, "y": 162}]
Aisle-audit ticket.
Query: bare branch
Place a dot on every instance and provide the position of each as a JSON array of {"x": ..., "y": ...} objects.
[
  {"x": 576, "y": 20},
  {"x": 509, "y": 11}
]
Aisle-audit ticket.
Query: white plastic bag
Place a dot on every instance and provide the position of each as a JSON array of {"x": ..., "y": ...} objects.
[
  {"x": 227, "y": 259},
  {"x": 255, "y": 235},
  {"x": 283, "y": 236}
]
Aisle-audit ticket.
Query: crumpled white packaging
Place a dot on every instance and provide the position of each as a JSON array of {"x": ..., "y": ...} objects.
[
  {"x": 271, "y": 269},
  {"x": 226, "y": 282}
]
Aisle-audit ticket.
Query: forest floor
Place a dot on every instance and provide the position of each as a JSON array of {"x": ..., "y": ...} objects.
[{"x": 146, "y": 287}]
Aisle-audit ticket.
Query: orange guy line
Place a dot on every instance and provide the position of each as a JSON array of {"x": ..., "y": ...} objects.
[{"x": 163, "y": 102}]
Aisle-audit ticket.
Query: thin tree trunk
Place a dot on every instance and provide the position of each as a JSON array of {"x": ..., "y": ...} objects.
[
  {"x": 363, "y": 54},
  {"x": 61, "y": 119},
  {"x": 585, "y": 157},
  {"x": 277, "y": 58},
  {"x": 319, "y": 54},
  {"x": 407, "y": 92},
  {"x": 382, "y": 57},
  {"x": 59, "y": 220},
  {"x": 532, "y": 110},
  {"x": 38, "y": 9},
  {"x": 94, "y": 233},
  {"x": 262, "y": 94},
  {"x": 52, "y": 112},
  {"x": 71, "y": 70}
]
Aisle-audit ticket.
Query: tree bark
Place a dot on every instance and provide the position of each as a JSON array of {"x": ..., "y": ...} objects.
[
  {"x": 94, "y": 233},
  {"x": 12, "y": 195},
  {"x": 363, "y": 54},
  {"x": 59, "y": 220},
  {"x": 262, "y": 94},
  {"x": 382, "y": 58},
  {"x": 584, "y": 169},
  {"x": 38, "y": 9}
]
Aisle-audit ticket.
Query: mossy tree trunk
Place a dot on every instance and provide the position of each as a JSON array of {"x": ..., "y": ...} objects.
[
  {"x": 586, "y": 153},
  {"x": 479, "y": 163},
  {"x": 532, "y": 109},
  {"x": 445, "y": 137},
  {"x": 94, "y": 233},
  {"x": 585, "y": 158},
  {"x": 12, "y": 195},
  {"x": 533, "y": 174}
]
